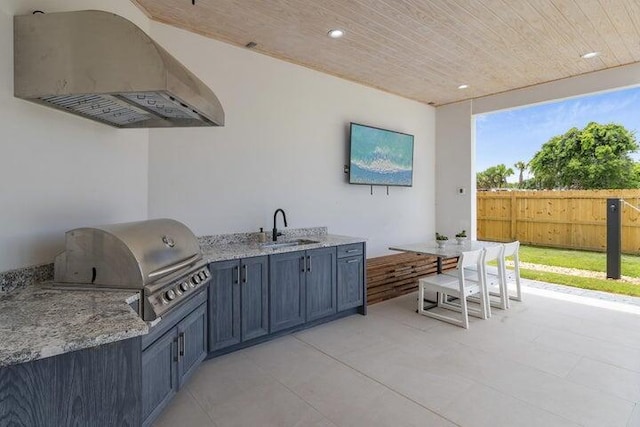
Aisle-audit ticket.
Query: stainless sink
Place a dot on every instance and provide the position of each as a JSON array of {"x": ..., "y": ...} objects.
[{"x": 289, "y": 243}]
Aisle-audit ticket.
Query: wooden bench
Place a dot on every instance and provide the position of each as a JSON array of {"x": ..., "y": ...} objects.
[{"x": 393, "y": 275}]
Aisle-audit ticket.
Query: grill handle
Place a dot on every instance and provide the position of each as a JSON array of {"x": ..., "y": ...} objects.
[{"x": 167, "y": 270}]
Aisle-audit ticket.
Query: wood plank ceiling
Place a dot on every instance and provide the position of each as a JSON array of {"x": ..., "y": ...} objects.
[{"x": 424, "y": 49}]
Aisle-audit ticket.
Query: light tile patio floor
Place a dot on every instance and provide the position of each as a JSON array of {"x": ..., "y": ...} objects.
[{"x": 556, "y": 359}]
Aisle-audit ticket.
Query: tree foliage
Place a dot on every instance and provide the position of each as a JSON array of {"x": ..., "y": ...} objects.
[
  {"x": 521, "y": 166},
  {"x": 493, "y": 177},
  {"x": 595, "y": 157}
]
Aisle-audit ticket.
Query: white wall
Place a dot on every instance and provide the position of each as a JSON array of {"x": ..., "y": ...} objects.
[
  {"x": 284, "y": 146},
  {"x": 454, "y": 171},
  {"x": 59, "y": 171}
]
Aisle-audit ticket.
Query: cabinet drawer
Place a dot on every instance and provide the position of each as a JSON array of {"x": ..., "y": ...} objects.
[{"x": 350, "y": 250}]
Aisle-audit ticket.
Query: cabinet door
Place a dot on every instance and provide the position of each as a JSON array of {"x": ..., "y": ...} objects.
[
  {"x": 286, "y": 290},
  {"x": 254, "y": 291},
  {"x": 350, "y": 282},
  {"x": 159, "y": 375},
  {"x": 192, "y": 343},
  {"x": 321, "y": 282},
  {"x": 224, "y": 304}
]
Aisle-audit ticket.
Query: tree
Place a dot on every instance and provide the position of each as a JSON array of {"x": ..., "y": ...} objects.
[
  {"x": 521, "y": 166},
  {"x": 501, "y": 174},
  {"x": 597, "y": 156},
  {"x": 494, "y": 176}
]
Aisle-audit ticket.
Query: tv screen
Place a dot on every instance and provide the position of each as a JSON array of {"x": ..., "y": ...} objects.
[{"x": 380, "y": 157}]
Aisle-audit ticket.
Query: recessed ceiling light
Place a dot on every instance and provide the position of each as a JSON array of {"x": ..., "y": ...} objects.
[
  {"x": 463, "y": 86},
  {"x": 336, "y": 33},
  {"x": 590, "y": 55}
]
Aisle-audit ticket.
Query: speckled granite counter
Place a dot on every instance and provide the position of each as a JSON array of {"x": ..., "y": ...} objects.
[
  {"x": 227, "y": 251},
  {"x": 36, "y": 322}
]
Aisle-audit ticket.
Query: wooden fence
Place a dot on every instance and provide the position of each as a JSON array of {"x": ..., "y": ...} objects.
[{"x": 563, "y": 219}]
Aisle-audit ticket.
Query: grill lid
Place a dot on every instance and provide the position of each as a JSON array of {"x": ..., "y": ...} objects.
[{"x": 127, "y": 255}]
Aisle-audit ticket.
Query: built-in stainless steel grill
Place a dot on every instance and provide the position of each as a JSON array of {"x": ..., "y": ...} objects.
[{"x": 161, "y": 258}]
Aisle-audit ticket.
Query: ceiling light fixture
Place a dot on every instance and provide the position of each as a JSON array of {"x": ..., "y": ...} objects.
[
  {"x": 336, "y": 33},
  {"x": 590, "y": 55},
  {"x": 463, "y": 86}
]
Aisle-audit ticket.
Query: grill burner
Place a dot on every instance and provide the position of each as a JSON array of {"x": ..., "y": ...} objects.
[{"x": 160, "y": 258}]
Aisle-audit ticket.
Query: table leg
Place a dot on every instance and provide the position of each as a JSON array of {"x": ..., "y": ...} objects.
[{"x": 433, "y": 304}]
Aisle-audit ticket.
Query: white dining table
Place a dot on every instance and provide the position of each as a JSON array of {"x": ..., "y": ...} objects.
[{"x": 451, "y": 249}]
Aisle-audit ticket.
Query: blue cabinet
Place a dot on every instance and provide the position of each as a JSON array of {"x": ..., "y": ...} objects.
[
  {"x": 192, "y": 343},
  {"x": 172, "y": 351},
  {"x": 350, "y": 289},
  {"x": 160, "y": 376},
  {"x": 287, "y": 291},
  {"x": 224, "y": 304},
  {"x": 302, "y": 287},
  {"x": 320, "y": 283},
  {"x": 238, "y": 301},
  {"x": 254, "y": 297}
]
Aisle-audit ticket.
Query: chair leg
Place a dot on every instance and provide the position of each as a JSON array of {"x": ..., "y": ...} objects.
[
  {"x": 485, "y": 301},
  {"x": 484, "y": 290},
  {"x": 420, "y": 298},
  {"x": 463, "y": 312},
  {"x": 504, "y": 290},
  {"x": 516, "y": 273}
]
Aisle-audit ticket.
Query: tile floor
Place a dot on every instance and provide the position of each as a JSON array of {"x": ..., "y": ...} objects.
[{"x": 553, "y": 360}]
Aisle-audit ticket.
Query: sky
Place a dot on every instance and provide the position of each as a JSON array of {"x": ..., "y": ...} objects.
[{"x": 517, "y": 134}]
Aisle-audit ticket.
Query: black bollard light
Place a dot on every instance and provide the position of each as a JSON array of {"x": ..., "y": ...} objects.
[{"x": 614, "y": 238}]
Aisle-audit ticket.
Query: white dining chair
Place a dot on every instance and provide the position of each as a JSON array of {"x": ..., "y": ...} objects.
[
  {"x": 495, "y": 283},
  {"x": 456, "y": 286}
]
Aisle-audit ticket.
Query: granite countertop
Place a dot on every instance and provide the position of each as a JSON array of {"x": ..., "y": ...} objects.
[
  {"x": 228, "y": 251},
  {"x": 36, "y": 322}
]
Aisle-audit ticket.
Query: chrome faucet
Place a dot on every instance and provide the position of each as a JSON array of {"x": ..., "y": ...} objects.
[{"x": 275, "y": 230}]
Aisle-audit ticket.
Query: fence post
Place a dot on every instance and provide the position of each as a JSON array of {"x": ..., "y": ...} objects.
[
  {"x": 514, "y": 213},
  {"x": 614, "y": 238}
]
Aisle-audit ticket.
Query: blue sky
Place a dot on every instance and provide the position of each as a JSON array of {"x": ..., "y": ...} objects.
[{"x": 513, "y": 135}]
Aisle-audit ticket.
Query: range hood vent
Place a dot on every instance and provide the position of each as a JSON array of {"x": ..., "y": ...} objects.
[{"x": 103, "y": 67}]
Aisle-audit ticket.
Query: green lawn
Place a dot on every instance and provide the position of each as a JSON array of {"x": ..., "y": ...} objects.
[
  {"x": 613, "y": 286},
  {"x": 595, "y": 261}
]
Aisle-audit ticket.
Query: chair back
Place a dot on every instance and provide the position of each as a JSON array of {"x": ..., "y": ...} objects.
[
  {"x": 468, "y": 259},
  {"x": 494, "y": 252},
  {"x": 511, "y": 249}
]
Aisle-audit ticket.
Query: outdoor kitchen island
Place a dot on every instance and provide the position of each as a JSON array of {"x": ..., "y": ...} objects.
[{"x": 85, "y": 358}]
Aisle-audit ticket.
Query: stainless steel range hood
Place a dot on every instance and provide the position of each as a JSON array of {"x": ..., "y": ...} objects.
[{"x": 103, "y": 67}]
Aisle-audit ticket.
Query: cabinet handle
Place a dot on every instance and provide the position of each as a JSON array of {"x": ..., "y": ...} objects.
[
  {"x": 351, "y": 261},
  {"x": 182, "y": 344},
  {"x": 237, "y": 270},
  {"x": 303, "y": 269},
  {"x": 175, "y": 358},
  {"x": 244, "y": 273},
  {"x": 309, "y": 264}
]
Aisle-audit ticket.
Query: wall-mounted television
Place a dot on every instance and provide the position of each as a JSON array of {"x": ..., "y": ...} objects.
[{"x": 380, "y": 157}]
